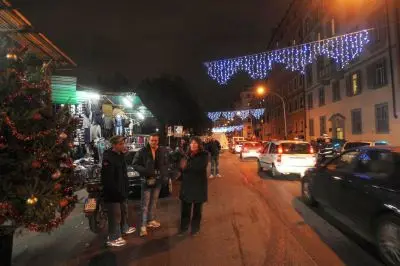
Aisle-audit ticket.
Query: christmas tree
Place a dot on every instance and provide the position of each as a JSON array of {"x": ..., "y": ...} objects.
[{"x": 36, "y": 139}]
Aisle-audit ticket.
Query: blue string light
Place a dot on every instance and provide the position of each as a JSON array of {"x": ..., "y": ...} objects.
[
  {"x": 342, "y": 49},
  {"x": 242, "y": 114},
  {"x": 227, "y": 129}
]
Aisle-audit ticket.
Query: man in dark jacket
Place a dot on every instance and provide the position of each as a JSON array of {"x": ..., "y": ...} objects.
[
  {"x": 214, "y": 148},
  {"x": 115, "y": 187},
  {"x": 152, "y": 164}
]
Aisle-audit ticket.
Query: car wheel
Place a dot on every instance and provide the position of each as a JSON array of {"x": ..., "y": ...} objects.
[
  {"x": 306, "y": 192},
  {"x": 259, "y": 168},
  {"x": 274, "y": 172},
  {"x": 388, "y": 239}
]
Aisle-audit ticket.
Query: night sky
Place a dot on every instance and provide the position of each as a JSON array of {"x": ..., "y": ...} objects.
[{"x": 147, "y": 38}]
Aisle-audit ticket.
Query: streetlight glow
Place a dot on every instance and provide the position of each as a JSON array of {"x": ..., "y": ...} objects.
[{"x": 260, "y": 90}]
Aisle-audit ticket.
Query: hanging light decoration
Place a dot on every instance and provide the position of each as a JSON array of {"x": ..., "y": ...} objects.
[
  {"x": 227, "y": 129},
  {"x": 243, "y": 114},
  {"x": 342, "y": 49}
]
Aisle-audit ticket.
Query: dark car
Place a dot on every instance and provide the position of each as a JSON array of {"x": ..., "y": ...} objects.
[{"x": 362, "y": 186}]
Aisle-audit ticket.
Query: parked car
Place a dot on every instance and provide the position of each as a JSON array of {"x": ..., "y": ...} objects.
[
  {"x": 362, "y": 187},
  {"x": 287, "y": 157},
  {"x": 251, "y": 149},
  {"x": 237, "y": 146},
  {"x": 355, "y": 144}
]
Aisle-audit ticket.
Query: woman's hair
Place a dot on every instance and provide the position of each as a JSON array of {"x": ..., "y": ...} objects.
[{"x": 198, "y": 141}]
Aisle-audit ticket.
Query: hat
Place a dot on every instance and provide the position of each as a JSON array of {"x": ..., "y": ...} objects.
[{"x": 116, "y": 139}]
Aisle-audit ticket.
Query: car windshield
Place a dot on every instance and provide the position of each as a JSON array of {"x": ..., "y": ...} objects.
[
  {"x": 352, "y": 145},
  {"x": 252, "y": 145},
  {"x": 296, "y": 148}
]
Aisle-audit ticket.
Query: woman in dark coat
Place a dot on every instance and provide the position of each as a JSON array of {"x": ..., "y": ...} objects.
[{"x": 194, "y": 187}]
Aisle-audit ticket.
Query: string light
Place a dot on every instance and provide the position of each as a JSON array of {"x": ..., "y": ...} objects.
[
  {"x": 242, "y": 114},
  {"x": 227, "y": 129},
  {"x": 342, "y": 49}
]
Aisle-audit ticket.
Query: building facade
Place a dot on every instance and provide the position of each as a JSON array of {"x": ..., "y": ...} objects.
[{"x": 359, "y": 103}]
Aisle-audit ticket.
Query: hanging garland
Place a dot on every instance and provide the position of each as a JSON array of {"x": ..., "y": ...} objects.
[
  {"x": 342, "y": 49},
  {"x": 227, "y": 129},
  {"x": 243, "y": 114}
]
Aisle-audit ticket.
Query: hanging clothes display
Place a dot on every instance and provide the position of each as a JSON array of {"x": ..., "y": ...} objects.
[
  {"x": 95, "y": 132},
  {"x": 119, "y": 125},
  {"x": 108, "y": 126},
  {"x": 86, "y": 128}
]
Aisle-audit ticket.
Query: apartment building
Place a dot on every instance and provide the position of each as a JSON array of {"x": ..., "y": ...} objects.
[
  {"x": 289, "y": 85},
  {"x": 360, "y": 102}
]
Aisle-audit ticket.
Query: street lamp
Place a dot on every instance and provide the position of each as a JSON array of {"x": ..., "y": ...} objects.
[{"x": 261, "y": 91}]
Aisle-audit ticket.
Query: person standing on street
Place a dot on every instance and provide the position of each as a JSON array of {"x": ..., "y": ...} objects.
[
  {"x": 114, "y": 179},
  {"x": 214, "y": 148},
  {"x": 194, "y": 187},
  {"x": 152, "y": 164}
]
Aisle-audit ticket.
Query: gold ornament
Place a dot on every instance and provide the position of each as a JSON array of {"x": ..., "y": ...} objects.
[
  {"x": 32, "y": 200},
  {"x": 63, "y": 136}
]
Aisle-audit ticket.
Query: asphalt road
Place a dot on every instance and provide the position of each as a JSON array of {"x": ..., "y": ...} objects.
[{"x": 249, "y": 220}]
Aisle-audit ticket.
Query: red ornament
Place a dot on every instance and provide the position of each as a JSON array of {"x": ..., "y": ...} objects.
[
  {"x": 71, "y": 145},
  {"x": 2, "y": 146},
  {"x": 57, "y": 187},
  {"x": 63, "y": 203},
  {"x": 36, "y": 164},
  {"x": 56, "y": 175},
  {"x": 63, "y": 136},
  {"x": 37, "y": 116}
]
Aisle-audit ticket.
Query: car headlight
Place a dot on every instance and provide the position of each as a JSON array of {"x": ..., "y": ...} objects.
[{"x": 133, "y": 174}]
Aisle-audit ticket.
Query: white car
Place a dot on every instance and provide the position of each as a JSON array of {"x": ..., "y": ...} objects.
[
  {"x": 287, "y": 157},
  {"x": 237, "y": 148},
  {"x": 251, "y": 149}
]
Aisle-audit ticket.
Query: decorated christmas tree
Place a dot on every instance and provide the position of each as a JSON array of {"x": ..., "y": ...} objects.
[{"x": 36, "y": 139}]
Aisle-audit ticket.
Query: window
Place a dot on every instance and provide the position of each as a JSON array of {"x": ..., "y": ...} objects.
[
  {"x": 356, "y": 121},
  {"x": 295, "y": 148},
  {"x": 301, "y": 81},
  {"x": 322, "y": 125},
  {"x": 321, "y": 94},
  {"x": 347, "y": 162},
  {"x": 382, "y": 118},
  {"x": 336, "y": 91},
  {"x": 353, "y": 84},
  {"x": 377, "y": 74},
  {"x": 376, "y": 164},
  {"x": 301, "y": 101},
  {"x": 310, "y": 101}
]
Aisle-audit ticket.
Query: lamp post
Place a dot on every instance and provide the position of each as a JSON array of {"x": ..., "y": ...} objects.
[{"x": 262, "y": 92}]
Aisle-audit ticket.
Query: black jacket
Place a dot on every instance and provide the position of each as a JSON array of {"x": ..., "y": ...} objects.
[
  {"x": 144, "y": 163},
  {"x": 214, "y": 147},
  {"x": 114, "y": 177},
  {"x": 194, "y": 187}
]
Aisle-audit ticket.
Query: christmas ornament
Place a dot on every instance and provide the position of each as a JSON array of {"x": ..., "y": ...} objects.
[
  {"x": 227, "y": 129},
  {"x": 32, "y": 200},
  {"x": 37, "y": 116},
  {"x": 342, "y": 49},
  {"x": 243, "y": 114},
  {"x": 63, "y": 136},
  {"x": 56, "y": 175},
  {"x": 63, "y": 203},
  {"x": 36, "y": 164},
  {"x": 57, "y": 187},
  {"x": 70, "y": 145}
]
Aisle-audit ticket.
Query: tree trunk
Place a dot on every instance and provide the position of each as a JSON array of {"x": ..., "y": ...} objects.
[{"x": 6, "y": 245}]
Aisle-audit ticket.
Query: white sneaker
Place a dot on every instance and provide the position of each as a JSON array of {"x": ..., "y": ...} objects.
[
  {"x": 153, "y": 224},
  {"x": 211, "y": 177},
  {"x": 116, "y": 243},
  {"x": 130, "y": 230},
  {"x": 143, "y": 231},
  {"x": 219, "y": 175}
]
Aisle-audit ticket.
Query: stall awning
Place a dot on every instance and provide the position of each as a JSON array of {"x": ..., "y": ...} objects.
[{"x": 63, "y": 90}]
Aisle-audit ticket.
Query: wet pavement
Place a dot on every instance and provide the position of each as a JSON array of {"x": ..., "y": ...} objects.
[{"x": 248, "y": 220}]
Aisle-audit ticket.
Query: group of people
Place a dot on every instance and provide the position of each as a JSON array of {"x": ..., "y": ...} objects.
[{"x": 152, "y": 162}]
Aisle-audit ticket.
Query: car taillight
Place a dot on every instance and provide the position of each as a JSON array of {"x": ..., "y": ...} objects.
[
  {"x": 245, "y": 149},
  {"x": 280, "y": 150},
  {"x": 279, "y": 158},
  {"x": 311, "y": 150}
]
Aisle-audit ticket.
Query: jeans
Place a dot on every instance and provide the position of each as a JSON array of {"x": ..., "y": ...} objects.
[
  {"x": 186, "y": 211},
  {"x": 214, "y": 164},
  {"x": 149, "y": 203},
  {"x": 118, "y": 130},
  {"x": 117, "y": 219}
]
